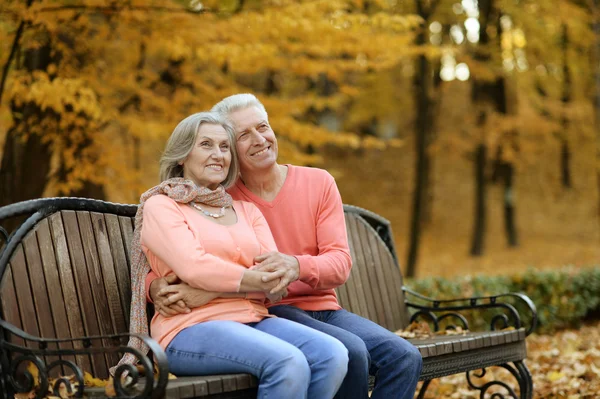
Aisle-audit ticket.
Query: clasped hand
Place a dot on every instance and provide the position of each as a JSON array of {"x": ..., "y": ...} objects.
[
  {"x": 279, "y": 266},
  {"x": 277, "y": 271}
]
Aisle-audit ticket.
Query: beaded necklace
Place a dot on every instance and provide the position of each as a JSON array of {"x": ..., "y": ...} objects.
[{"x": 207, "y": 213}]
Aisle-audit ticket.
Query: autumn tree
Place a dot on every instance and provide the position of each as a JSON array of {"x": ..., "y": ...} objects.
[{"x": 89, "y": 105}]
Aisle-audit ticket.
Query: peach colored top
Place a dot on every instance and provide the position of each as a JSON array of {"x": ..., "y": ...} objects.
[
  {"x": 178, "y": 239},
  {"x": 307, "y": 221}
]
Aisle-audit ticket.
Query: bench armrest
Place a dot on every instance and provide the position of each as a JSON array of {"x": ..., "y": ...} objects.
[
  {"x": 506, "y": 304},
  {"x": 14, "y": 357}
]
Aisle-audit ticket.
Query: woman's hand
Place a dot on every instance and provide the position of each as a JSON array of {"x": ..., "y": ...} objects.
[
  {"x": 253, "y": 281},
  {"x": 274, "y": 298}
]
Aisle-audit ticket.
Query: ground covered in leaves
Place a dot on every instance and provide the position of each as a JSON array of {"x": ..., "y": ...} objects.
[{"x": 563, "y": 365}]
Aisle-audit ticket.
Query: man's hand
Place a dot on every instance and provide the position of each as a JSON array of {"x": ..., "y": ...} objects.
[
  {"x": 191, "y": 297},
  {"x": 284, "y": 267},
  {"x": 161, "y": 303}
]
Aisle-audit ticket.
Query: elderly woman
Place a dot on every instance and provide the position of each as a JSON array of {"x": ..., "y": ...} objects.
[{"x": 190, "y": 227}]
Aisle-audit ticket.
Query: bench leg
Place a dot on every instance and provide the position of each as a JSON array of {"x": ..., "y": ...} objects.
[
  {"x": 423, "y": 389},
  {"x": 525, "y": 382},
  {"x": 519, "y": 371}
]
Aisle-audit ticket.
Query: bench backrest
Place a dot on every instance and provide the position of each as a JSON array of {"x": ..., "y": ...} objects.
[
  {"x": 69, "y": 275},
  {"x": 374, "y": 289}
]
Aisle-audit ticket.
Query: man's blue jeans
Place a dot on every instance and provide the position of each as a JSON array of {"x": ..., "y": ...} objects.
[
  {"x": 289, "y": 359},
  {"x": 395, "y": 363}
]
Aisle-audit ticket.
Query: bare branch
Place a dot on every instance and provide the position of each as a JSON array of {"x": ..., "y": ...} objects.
[
  {"x": 117, "y": 9},
  {"x": 13, "y": 51}
]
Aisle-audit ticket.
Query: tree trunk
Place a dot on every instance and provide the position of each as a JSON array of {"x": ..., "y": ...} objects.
[
  {"x": 565, "y": 154},
  {"x": 477, "y": 244},
  {"x": 26, "y": 161},
  {"x": 421, "y": 163},
  {"x": 596, "y": 67},
  {"x": 509, "y": 206},
  {"x": 422, "y": 132},
  {"x": 487, "y": 97},
  {"x": 24, "y": 169},
  {"x": 565, "y": 162}
]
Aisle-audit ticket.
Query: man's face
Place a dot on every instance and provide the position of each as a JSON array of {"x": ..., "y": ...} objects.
[{"x": 255, "y": 140}]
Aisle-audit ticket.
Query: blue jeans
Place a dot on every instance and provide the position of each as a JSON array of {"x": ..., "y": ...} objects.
[
  {"x": 289, "y": 359},
  {"x": 395, "y": 363}
]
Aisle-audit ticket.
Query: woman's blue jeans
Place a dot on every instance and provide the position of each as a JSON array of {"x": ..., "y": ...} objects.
[
  {"x": 289, "y": 359},
  {"x": 395, "y": 363}
]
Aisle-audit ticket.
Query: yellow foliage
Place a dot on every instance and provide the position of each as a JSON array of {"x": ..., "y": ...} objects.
[{"x": 125, "y": 76}]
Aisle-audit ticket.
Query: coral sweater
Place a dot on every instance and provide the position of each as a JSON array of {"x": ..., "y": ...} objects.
[
  {"x": 177, "y": 239},
  {"x": 307, "y": 221}
]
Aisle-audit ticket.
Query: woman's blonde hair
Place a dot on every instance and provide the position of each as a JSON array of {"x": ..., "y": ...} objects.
[{"x": 182, "y": 141}]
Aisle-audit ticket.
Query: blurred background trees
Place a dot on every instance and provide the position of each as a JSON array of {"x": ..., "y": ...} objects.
[{"x": 473, "y": 125}]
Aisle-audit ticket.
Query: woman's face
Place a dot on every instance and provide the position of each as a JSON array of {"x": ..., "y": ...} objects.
[
  {"x": 255, "y": 140},
  {"x": 208, "y": 163}
]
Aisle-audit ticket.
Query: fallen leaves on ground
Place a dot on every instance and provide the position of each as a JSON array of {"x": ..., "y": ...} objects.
[
  {"x": 422, "y": 330},
  {"x": 564, "y": 365}
]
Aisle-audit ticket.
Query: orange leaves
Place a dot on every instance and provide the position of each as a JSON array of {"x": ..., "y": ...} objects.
[{"x": 61, "y": 95}]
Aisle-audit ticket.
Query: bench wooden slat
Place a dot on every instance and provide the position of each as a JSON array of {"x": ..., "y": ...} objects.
[
  {"x": 75, "y": 242},
  {"x": 367, "y": 273},
  {"x": 215, "y": 384},
  {"x": 186, "y": 391},
  {"x": 67, "y": 286},
  {"x": 53, "y": 281},
  {"x": 379, "y": 284},
  {"x": 229, "y": 382},
  {"x": 443, "y": 344},
  {"x": 40, "y": 292},
  {"x": 53, "y": 284},
  {"x": 120, "y": 265},
  {"x": 127, "y": 226},
  {"x": 100, "y": 309},
  {"x": 359, "y": 280},
  {"x": 109, "y": 278},
  {"x": 200, "y": 388},
  {"x": 10, "y": 307},
  {"x": 342, "y": 295},
  {"x": 394, "y": 284},
  {"x": 24, "y": 294}
]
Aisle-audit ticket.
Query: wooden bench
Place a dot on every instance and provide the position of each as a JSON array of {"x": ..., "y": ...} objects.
[{"x": 65, "y": 292}]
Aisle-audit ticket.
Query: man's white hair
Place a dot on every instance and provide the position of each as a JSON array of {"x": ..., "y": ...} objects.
[{"x": 236, "y": 102}]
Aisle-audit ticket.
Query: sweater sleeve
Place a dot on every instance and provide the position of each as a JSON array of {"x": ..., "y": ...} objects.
[
  {"x": 150, "y": 277},
  {"x": 166, "y": 235},
  {"x": 330, "y": 268}
]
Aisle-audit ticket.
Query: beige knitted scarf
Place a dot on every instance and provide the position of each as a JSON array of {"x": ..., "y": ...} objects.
[{"x": 180, "y": 190}]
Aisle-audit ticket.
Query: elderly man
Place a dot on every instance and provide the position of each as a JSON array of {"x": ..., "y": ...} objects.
[{"x": 304, "y": 210}]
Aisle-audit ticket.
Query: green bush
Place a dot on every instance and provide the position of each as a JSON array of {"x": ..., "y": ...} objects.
[{"x": 563, "y": 297}]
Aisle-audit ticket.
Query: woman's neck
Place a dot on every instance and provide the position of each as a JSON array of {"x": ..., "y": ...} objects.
[{"x": 266, "y": 184}]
